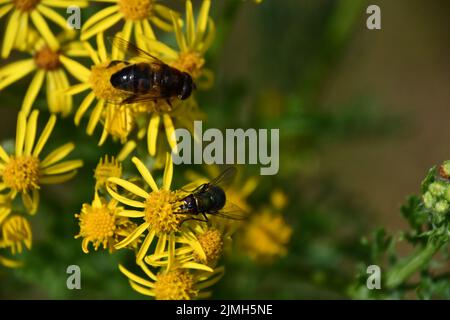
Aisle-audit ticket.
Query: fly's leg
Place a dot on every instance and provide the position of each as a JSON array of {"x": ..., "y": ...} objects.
[{"x": 196, "y": 219}]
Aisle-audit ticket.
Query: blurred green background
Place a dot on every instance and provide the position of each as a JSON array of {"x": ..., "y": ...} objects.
[{"x": 361, "y": 115}]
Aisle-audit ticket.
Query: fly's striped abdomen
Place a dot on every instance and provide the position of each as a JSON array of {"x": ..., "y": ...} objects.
[{"x": 143, "y": 78}]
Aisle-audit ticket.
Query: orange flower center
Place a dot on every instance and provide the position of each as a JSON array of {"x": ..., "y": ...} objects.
[
  {"x": 190, "y": 62},
  {"x": 47, "y": 59},
  {"x": 135, "y": 9},
  {"x": 26, "y": 5}
]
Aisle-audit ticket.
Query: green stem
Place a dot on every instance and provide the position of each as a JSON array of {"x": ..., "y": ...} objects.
[{"x": 402, "y": 271}]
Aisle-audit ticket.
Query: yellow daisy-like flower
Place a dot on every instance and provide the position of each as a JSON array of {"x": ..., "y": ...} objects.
[
  {"x": 205, "y": 245},
  {"x": 23, "y": 172},
  {"x": 16, "y": 232},
  {"x": 107, "y": 168},
  {"x": 174, "y": 284},
  {"x": 5, "y": 207},
  {"x": 192, "y": 44},
  {"x": 101, "y": 225},
  {"x": 50, "y": 65},
  {"x": 158, "y": 208},
  {"x": 17, "y": 27},
  {"x": 138, "y": 15},
  {"x": 266, "y": 237}
]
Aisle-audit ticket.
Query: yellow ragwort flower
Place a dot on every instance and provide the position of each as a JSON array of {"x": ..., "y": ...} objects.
[
  {"x": 101, "y": 224},
  {"x": 51, "y": 65},
  {"x": 24, "y": 172},
  {"x": 138, "y": 15},
  {"x": 192, "y": 44},
  {"x": 18, "y": 28},
  {"x": 174, "y": 284},
  {"x": 158, "y": 209},
  {"x": 266, "y": 237},
  {"x": 204, "y": 245},
  {"x": 16, "y": 232},
  {"x": 107, "y": 168}
]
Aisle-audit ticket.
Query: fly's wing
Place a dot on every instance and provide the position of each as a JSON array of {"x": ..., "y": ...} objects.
[
  {"x": 152, "y": 95},
  {"x": 225, "y": 178},
  {"x": 231, "y": 211},
  {"x": 129, "y": 48}
]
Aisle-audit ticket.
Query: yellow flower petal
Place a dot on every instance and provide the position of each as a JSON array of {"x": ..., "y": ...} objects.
[
  {"x": 65, "y": 4},
  {"x": 126, "y": 150},
  {"x": 9, "y": 263},
  {"x": 77, "y": 88},
  {"x": 5, "y": 9},
  {"x": 52, "y": 99},
  {"x": 101, "y": 26},
  {"x": 52, "y": 15},
  {"x": 131, "y": 187},
  {"x": 135, "y": 278},
  {"x": 66, "y": 106},
  {"x": 162, "y": 49},
  {"x": 127, "y": 28},
  {"x": 62, "y": 167},
  {"x": 31, "y": 203},
  {"x": 145, "y": 245},
  {"x": 44, "y": 30},
  {"x": 170, "y": 132},
  {"x": 3, "y": 155},
  {"x": 131, "y": 213},
  {"x": 170, "y": 260},
  {"x": 163, "y": 25},
  {"x": 190, "y": 25},
  {"x": 145, "y": 173},
  {"x": 76, "y": 69},
  {"x": 57, "y": 154},
  {"x": 95, "y": 117},
  {"x": 20, "y": 133},
  {"x": 161, "y": 245},
  {"x": 10, "y": 33},
  {"x": 124, "y": 200},
  {"x": 12, "y": 68},
  {"x": 44, "y": 135},
  {"x": 31, "y": 132},
  {"x": 21, "y": 37},
  {"x": 168, "y": 172},
  {"x": 57, "y": 179},
  {"x": 142, "y": 290},
  {"x": 20, "y": 73},
  {"x": 101, "y": 47},
  {"x": 203, "y": 19},
  {"x": 83, "y": 107},
  {"x": 208, "y": 40},
  {"x": 148, "y": 30},
  {"x": 132, "y": 236},
  {"x": 198, "y": 266},
  {"x": 32, "y": 92},
  {"x": 100, "y": 15},
  {"x": 152, "y": 133}
]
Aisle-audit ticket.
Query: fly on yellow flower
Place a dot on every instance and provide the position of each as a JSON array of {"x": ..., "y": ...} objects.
[
  {"x": 158, "y": 209},
  {"x": 24, "y": 172},
  {"x": 16, "y": 232},
  {"x": 101, "y": 224},
  {"x": 238, "y": 192},
  {"x": 192, "y": 44},
  {"x": 97, "y": 80},
  {"x": 17, "y": 27},
  {"x": 138, "y": 15},
  {"x": 174, "y": 284},
  {"x": 50, "y": 65}
]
